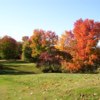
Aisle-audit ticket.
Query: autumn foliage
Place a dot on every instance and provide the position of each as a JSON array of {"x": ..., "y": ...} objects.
[
  {"x": 74, "y": 51},
  {"x": 41, "y": 41},
  {"x": 52, "y": 59},
  {"x": 8, "y": 48},
  {"x": 87, "y": 35}
]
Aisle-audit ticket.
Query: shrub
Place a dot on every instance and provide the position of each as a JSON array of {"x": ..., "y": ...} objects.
[{"x": 51, "y": 61}]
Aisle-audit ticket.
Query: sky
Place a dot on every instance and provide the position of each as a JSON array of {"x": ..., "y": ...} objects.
[{"x": 19, "y": 18}]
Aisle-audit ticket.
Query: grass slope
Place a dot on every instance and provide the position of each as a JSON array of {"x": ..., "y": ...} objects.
[
  {"x": 52, "y": 86},
  {"x": 18, "y": 68}
]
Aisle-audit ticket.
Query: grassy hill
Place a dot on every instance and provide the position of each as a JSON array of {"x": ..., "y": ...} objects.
[
  {"x": 18, "y": 68},
  {"x": 19, "y": 81}
]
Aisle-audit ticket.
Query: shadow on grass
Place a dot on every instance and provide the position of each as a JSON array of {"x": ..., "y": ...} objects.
[
  {"x": 15, "y": 67},
  {"x": 13, "y": 61},
  {"x": 11, "y": 71}
]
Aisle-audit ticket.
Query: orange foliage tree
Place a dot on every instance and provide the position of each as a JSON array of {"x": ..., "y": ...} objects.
[
  {"x": 41, "y": 41},
  {"x": 81, "y": 43},
  {"x": 87, "y": 34},
  {"x": 66, "y": 42}
]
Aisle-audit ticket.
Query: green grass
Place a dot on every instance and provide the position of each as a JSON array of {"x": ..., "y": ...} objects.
[
  {"x": 48, "y": 86},
  {"x": 18, "y": 67}
]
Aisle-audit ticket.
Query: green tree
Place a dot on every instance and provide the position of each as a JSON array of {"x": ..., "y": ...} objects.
[{"x": 26, "y": 49}]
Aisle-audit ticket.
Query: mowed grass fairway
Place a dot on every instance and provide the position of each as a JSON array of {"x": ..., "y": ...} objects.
[{"x": 22, "y": 81}]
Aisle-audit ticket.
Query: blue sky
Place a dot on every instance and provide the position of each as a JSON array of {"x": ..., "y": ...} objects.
[{"x": 20, "y": 17}]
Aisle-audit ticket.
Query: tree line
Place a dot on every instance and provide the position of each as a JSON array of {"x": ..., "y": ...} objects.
[{"x": 74, "y": 51}]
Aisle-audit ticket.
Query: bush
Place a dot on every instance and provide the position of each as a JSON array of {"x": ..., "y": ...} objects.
[{"x": 51, "y": 60}]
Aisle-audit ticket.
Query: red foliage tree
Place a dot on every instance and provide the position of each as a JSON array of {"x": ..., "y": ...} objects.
[
  {"x": 52, "y": 60},
  {"x": 8, "y": 48}
]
